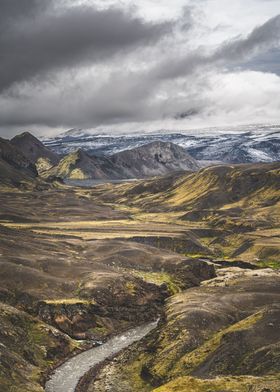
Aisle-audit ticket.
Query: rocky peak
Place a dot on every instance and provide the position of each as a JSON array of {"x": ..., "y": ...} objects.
[
  {"x": 13, "y": 156},
  {"x": 33, "y": 148},
  {"x": 155, "y": 158}
]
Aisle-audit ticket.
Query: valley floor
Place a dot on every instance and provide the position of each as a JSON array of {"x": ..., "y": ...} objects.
[{"x": 79, "y": 265}]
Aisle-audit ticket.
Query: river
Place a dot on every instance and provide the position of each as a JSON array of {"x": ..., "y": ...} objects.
[{"x": 66, "y": 377}]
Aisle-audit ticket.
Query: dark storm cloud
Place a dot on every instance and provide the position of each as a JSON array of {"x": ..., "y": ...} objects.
[
  {"x": 131, "y": 95},
  {"x": 36, "y": 39},
  {"x": 11, "y": 9},
  {"x": 262, "y": 38},
  {"x": 268, "y": 62}
]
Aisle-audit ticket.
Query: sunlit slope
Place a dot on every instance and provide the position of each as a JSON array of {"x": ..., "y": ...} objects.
[
  {"x": 212, "y": 187},
  {"x": 241, "y": 201}
]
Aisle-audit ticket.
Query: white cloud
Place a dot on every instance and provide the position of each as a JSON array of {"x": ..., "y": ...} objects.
[{"x": 248, "y": 96}]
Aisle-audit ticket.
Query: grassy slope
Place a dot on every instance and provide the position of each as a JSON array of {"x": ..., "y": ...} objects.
[
  {"x": 213, "y": 338},
  {"x": 243, "y": 201},
  {"x": 231, "y": 200},
  {"x": 239, "y": 205},
  {"x": 238, "y": 362},
  {"x": 28, "y": 348}
]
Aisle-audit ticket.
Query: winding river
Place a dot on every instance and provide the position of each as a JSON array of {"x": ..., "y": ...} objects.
[{"x": 66, "y": 377}]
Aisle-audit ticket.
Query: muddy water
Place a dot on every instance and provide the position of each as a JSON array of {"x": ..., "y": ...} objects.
[{"x": 66, "y": 377}]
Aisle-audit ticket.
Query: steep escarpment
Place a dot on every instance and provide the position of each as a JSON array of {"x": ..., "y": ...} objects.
[
  {"x": 114, "y": 305},
  {"x": 28, "y": 348}
]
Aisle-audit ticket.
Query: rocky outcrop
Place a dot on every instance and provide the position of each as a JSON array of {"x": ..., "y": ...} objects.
[
  {"x": 34, "y": 150},
  {"x": 14, "y": 166},
  {"x": 28, "y": 348},
  {"x": 14, "y": 157},
  {"x": 153, "y": 159},
  {"x": 124, "y": 303}
]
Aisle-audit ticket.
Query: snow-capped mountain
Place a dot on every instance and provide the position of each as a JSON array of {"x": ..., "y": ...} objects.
[{"x": 251, "y": 143}]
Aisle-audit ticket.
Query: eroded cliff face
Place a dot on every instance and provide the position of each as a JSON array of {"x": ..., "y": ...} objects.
[
  {"x": 123, "y": 302},
  {"x": 222, "y": 336},
  {"x": 28, "y": 349},
  {"x": 108, "y": 310}
]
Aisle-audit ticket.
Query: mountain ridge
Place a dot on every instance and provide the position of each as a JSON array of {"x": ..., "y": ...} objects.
[
  {"x": 244, "y": 144},
  {"x": 153, "y": 159},
  {"x": 35, "y": 151},
  {"x": 14, "y": 166}
]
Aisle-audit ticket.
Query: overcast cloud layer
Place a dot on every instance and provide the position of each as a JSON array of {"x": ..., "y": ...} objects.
[{"x": 119, "y": 66}]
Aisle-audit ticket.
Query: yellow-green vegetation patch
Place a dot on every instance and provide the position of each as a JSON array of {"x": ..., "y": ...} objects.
[
  {"x": 131, "y": 288},
  {"x": 232, "y": 243},
  {"x": 219, "y": 384},
  {"x": 195, "y": 255},
  {"x": 158, "y": 278},
  {"x": 19, "y": 387},
  {"x": 193, "y": 359},
  {"x": 132, "y": 372},
  {"x": 69, "y": 301},
  {"x": 169, "y": 348},
  {"x": 28, "y": 348},
  {"x": 43, "y": 164},
  {"x": 163, "y": 217},
  {"x": 99, "y": 330},
  {"x": 274, "y": 264},
  {"x": 42, "y": 338},
  {"x": 78, "y": 174}
]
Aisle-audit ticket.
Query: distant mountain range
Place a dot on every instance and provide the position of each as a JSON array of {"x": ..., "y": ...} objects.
[
  {"x": 153, "y": 159},
  {"x": 25, "y": 155},
  {"x": 78, "y": 155},
  {"x": 250, "y": 144}
]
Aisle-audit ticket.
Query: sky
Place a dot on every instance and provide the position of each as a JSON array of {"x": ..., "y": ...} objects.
[{"x": 132, "y": 66}]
